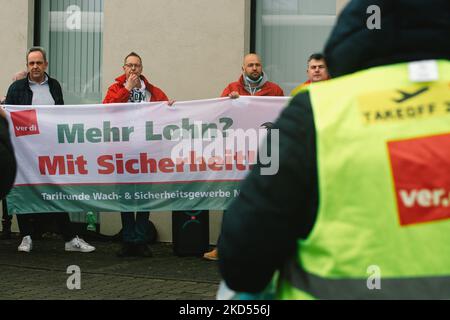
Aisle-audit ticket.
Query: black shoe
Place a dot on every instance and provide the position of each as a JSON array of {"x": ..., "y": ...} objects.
[
  {"x": 142, "y": 250},
  {"x": 127, "y": 250}
]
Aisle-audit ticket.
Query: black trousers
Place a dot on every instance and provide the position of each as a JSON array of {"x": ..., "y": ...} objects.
[
  {"x": 61, "y": 219},
  {"x": 6, "y": 218}
]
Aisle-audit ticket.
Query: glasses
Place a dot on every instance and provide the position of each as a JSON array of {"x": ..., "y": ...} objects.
[{"x": 133, "y": 65}]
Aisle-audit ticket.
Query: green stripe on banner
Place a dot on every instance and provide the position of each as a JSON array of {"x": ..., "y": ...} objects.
[{"x": 125, "y": 197}]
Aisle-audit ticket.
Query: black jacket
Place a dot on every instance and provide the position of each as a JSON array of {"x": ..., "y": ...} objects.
[
  {"x": 260, "y": 229},
  {"x": 19, "y": 93},
  {"x": 7, "y": 160}
]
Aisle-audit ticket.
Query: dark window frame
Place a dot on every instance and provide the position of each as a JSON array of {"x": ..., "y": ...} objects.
[
  {"x": 37, "y": 23},
  {"x": 253, "y": 25}
]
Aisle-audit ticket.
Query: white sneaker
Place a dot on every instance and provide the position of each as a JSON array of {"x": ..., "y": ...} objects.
[
  {"x": 79, "y": 245},
  {"x": 26, "y": 245}
]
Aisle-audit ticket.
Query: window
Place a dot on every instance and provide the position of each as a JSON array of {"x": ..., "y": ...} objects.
[
  {"x": 287, "y": 32},
  {"x": 72, "y": 33}
]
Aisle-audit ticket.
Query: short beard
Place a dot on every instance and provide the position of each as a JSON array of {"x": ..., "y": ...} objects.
[{"x": 253, "y": 78}]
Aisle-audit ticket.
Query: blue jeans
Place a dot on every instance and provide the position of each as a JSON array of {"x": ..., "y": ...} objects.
[{"x": 135, "y": 229}]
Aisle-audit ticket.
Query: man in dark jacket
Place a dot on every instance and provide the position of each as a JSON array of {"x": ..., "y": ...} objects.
[
  {"x": 38, "y": 88},
  {"x": 8, "y": 172},
  {"x": 260, "y": 232},
  {"x": 133, "y": 86}
]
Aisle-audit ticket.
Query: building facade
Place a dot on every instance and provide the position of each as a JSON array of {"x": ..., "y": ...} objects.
[{"x": 190, "y": 49}]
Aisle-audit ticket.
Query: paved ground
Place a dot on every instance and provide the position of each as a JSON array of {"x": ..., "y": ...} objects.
[{"x": 41, "y": 274}]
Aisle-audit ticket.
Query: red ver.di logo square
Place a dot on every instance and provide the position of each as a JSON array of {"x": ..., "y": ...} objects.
[
  {"x": 25, "y": 123},
  {"x": 421, "y": 172}
]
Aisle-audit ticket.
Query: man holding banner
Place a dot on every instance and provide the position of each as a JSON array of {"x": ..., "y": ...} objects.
[
  {"x": 38, "y": 88},
  {"x": 253, "y": 82},
  {"x": 133, "y": 87}
]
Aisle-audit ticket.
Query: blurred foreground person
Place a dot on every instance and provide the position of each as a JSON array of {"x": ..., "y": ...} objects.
[
  {"x": 360, "y": 206},
  {"x": 7, "y": 159},
  {"x": 133, "y": 87}
]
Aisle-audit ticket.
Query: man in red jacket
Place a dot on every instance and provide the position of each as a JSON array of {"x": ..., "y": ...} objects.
[
  {"x": 253, "y": 81},
  {"x": 133, "y": 87}
]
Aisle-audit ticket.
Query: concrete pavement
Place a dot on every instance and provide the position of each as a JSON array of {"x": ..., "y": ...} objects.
[{"x": 42, "y": 274}]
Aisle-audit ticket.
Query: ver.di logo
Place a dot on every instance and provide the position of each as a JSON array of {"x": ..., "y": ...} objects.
[
  {"x": 193, "y": 218},
  {"x": 421, "y": 180},
  {"x": 25, "y": 123}
]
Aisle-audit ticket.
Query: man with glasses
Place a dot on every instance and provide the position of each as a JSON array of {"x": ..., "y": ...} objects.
[
  {"x": 39, "y": 89},
  {"x": 133, "y": 87}
]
